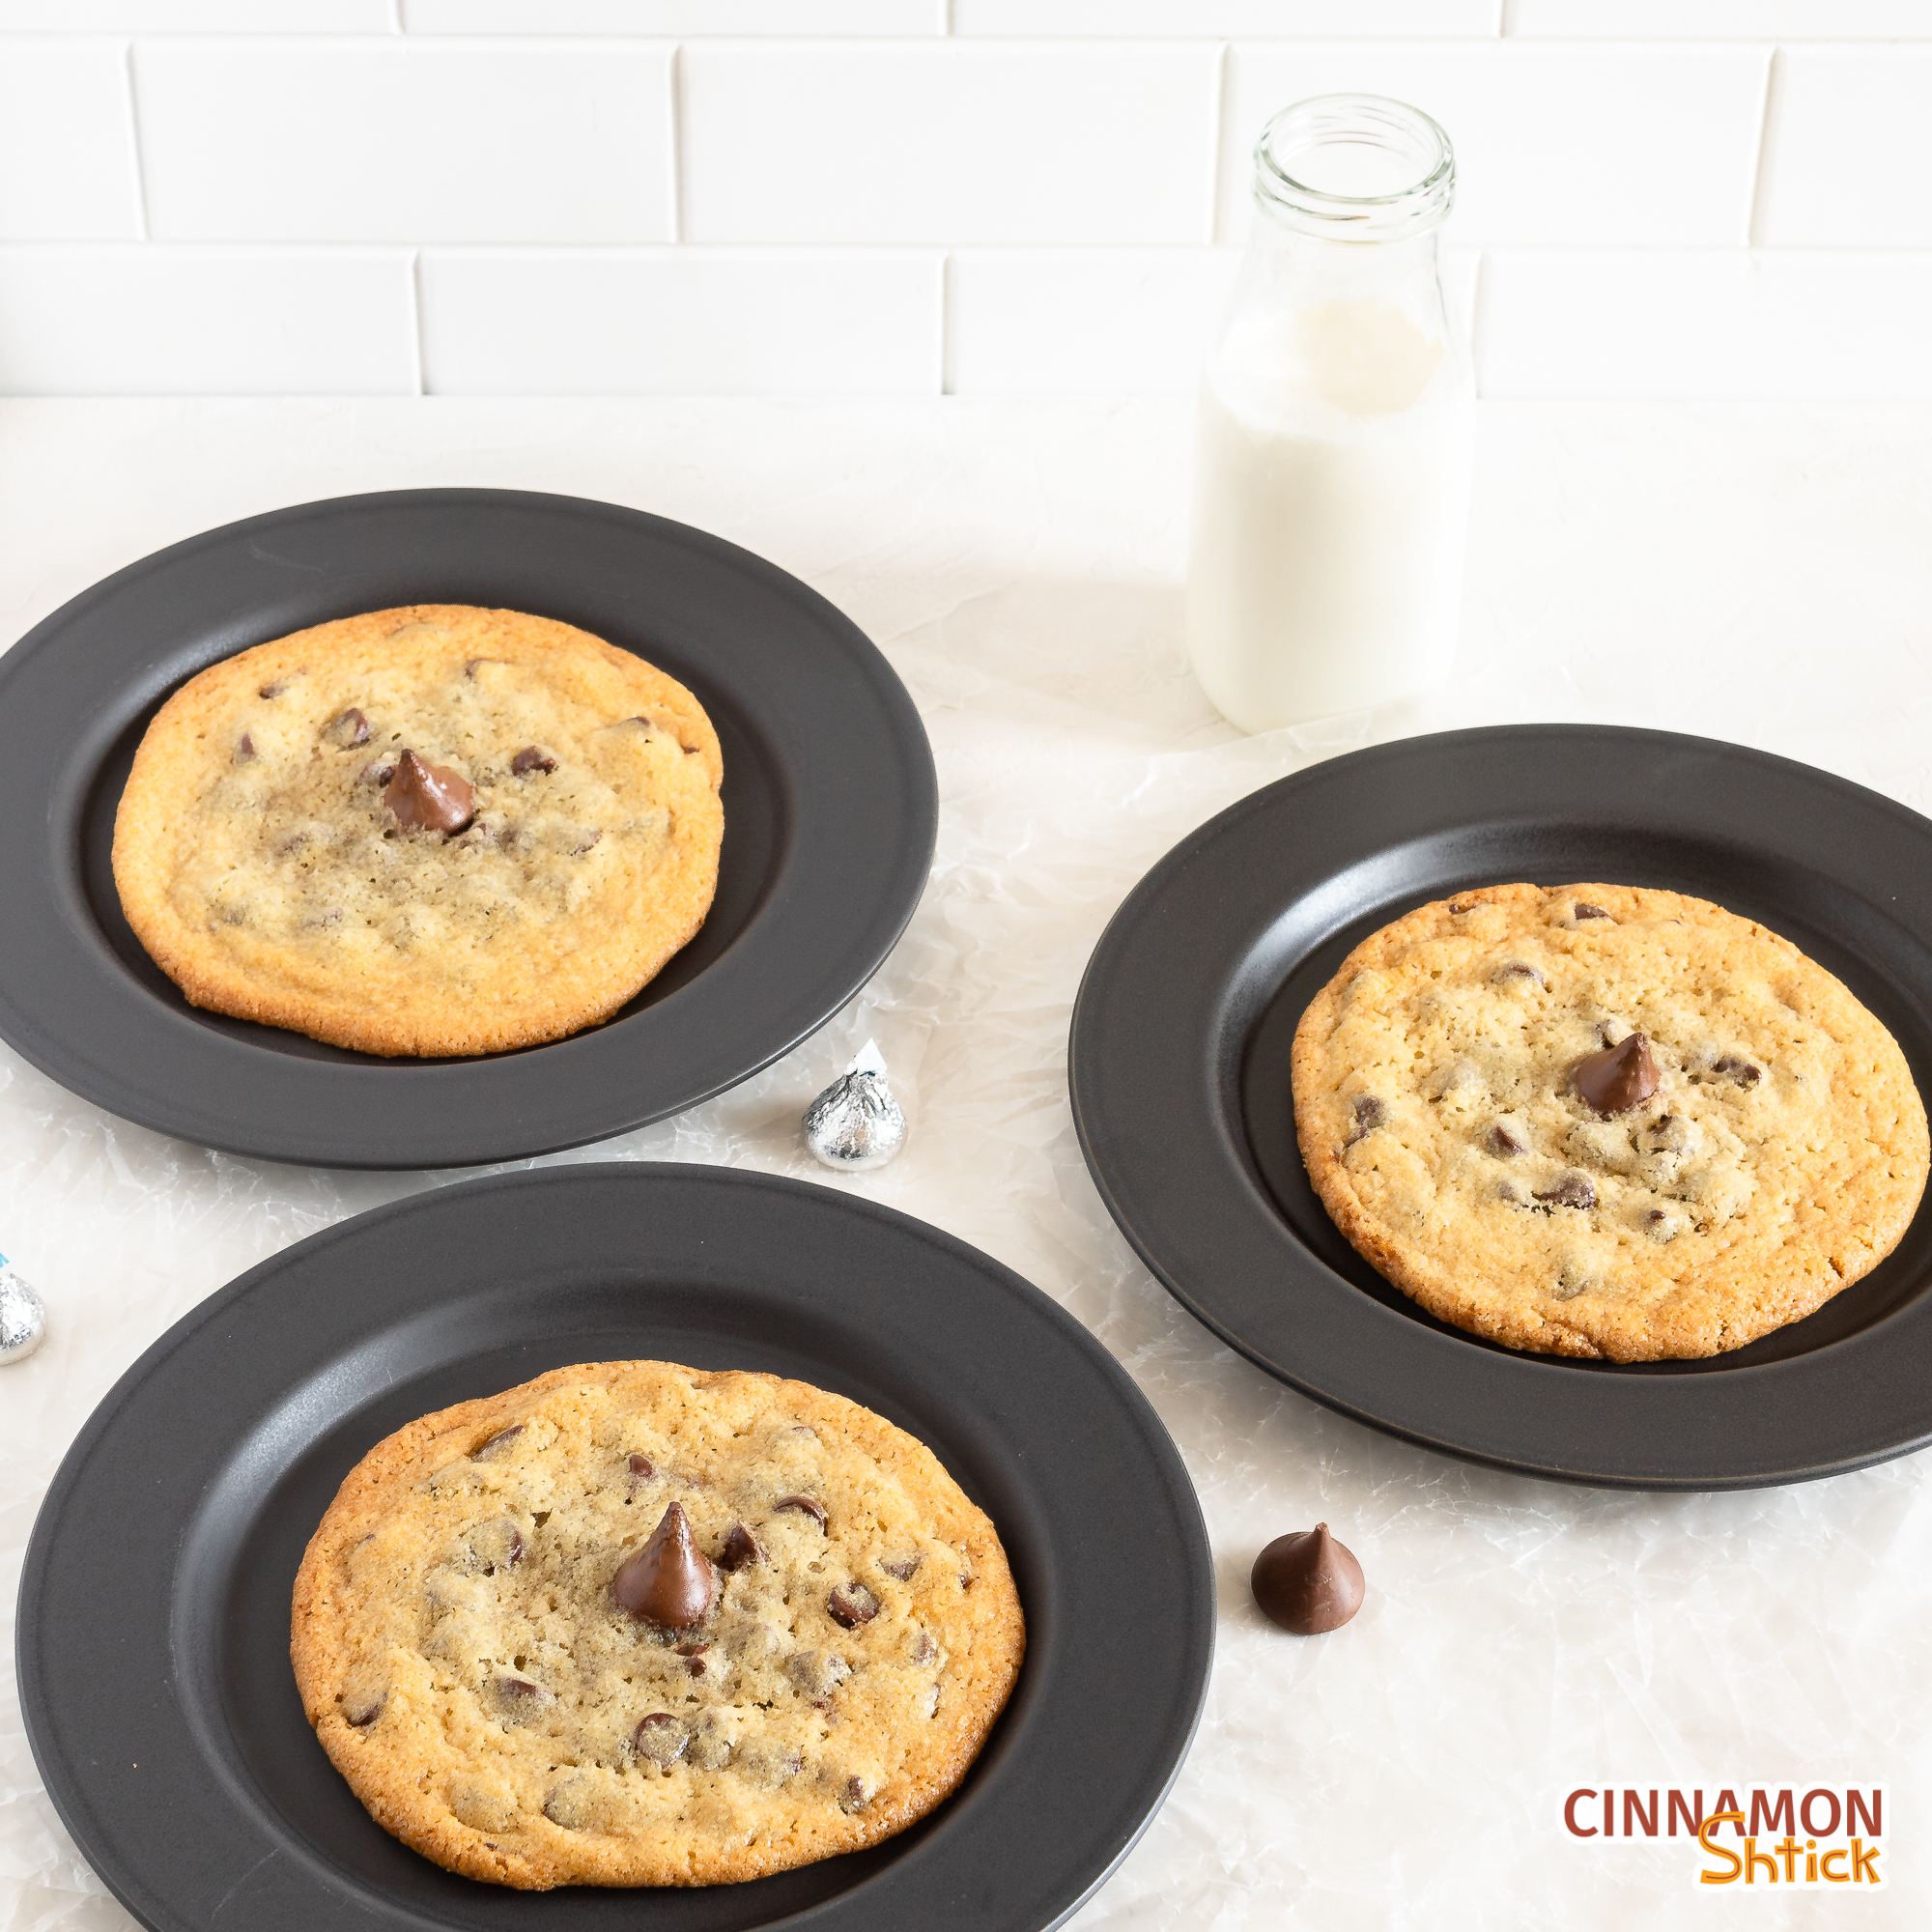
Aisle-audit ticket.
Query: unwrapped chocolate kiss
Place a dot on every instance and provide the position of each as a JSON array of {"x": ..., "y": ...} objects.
[{"x": 1307, "y": 1582}]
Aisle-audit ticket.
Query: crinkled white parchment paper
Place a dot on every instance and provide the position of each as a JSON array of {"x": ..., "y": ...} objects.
[{"x": 1756, "y": 574}]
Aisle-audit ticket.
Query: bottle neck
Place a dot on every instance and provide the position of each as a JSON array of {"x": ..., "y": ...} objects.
[{"x": 1285, "y": 267}]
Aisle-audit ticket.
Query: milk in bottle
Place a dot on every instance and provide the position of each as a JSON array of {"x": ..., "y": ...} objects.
[{"x": 1332, "y": 459}]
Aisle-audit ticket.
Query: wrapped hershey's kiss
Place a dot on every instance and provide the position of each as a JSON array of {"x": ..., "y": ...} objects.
[
  {"x": 856, "y": 1123},
  {"x": 23, "y": 1316}
]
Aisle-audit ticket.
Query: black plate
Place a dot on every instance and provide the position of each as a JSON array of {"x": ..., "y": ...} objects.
[
  {"x": 1180, "y": 1075},
  {"x": 154, "y": 1620},
  {"x": 829, "y": 814}
]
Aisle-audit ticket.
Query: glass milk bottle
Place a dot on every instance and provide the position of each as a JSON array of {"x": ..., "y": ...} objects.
[{"x": 1331, "y": 481}]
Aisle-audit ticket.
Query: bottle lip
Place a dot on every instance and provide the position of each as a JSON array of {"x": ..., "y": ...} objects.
[{"x": 1360, "y": 120}]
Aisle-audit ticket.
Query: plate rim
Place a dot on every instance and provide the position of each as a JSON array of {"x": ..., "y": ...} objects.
[
  {"x": 42, "y": 877},
  {"x": 1087, "y": 1048},
  {"x": 79, "y": 1813}
]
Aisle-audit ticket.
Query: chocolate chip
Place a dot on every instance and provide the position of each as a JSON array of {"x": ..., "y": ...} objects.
[
  {"x": 817, "y": 1671},
  {"x": 739, "y": 1548},
  {"x": 1508, "y": 1190},
  {"x": 767, "y": 1764},
  {"x": 689, "y": 1649},
  {"x": 1571, "y": 1190},
  {"x": 710, "y": 1749},
  {"x": 804, "y": 1504},
  {"x": 660, "y": 1738},
  {"x": 568, "y": 1802},
  {"x": 517, "y": 1696},
  {"x": 642, "y": 1466},
  {"x": 1739, "y": 1071},
  {"x": 1367, "y": 1114},
  {"x": 856, "y": 1795},
  {"x": 245, "y": 750},
  {"x": 904, "y": 1568},
  {"x": 668, "y": 1583},
  {"x": 274, "y": 690},
  {"x": 923, "y": 1649},
  {"x": 1503, "y": 1143},
  {"x": 429, "y": 798},
  {"x": 376, "y": 772},
  {"x": 497, "y": 1545},
  {"x": 532, "y": 758},
  {"x": 1517, "y": 969},
  {"x": 587, "y": 841},
  {"x": 1580, "y": 910},
  {"x": 852, "y": 1604},
  {"x": 1618, "y": 1078},
  {"x": 492, "y": 1444},
  {"x": 348, "y": 730},
  {"x": 363, "y": 1707},
  {"x": 695, "y": 1665}
]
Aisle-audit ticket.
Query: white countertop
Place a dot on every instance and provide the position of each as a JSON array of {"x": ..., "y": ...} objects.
[{"x": 1757, "y": 573}]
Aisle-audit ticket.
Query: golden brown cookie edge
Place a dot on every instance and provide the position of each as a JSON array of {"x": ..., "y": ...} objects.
[
  {"x": 154, "y": 792},
  {"x": 428, "y": 1441},
  {"x": 1428, "y": 1283}
]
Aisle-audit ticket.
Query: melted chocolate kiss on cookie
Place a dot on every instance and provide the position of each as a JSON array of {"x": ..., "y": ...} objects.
[
  {"x": 1618, "y": 1078},
  {"x": 429, "y": 798},
  {"x": 668, "y": 1583},
  {"x": 1307, "y": 1582}
]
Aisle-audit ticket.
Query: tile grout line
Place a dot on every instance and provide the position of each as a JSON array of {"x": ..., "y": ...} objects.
[
  {"x": 674, "y": 132},
  {"x": 1477, "y": 281},
  {"x": 417, "y": 321},
  {"x": 1766, "y": 129},
  {"x": 134, "y": 136}
]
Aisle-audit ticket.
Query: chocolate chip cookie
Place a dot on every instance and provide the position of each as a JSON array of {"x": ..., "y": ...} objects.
[
  {"x": 430, "y": 831},
  {"x": 1605, "y": 1120},
  {"x": 637, "y": 1624}
]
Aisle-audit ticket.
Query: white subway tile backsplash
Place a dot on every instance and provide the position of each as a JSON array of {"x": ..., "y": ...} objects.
[
  {"x": 1280, "y": 19},
  {"x": 1807, "y": 325},
  {"x": 1606, "y": 145},
  {"x": 377, "y": 141},
  {"x": 183, "y": 321},
  {"x": 1103, "y": 322},
  {"x": 67, "y": 143},
  {"x": 890, "y": 197},
  {"x": 885, "y": 18},
  {"x": 1848, "y": 147},
  {"x": 957, "y": 143},
  {"x": 683, "y": 322},
  {"x": 1034, "y": 323},
  {"x": 1719, "y": 19},
  {"x": 197, "y": 16}
]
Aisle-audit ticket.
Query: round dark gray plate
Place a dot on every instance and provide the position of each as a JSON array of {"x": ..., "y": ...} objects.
[
  {"x": 1180, "y": 1075},
  {"x": 830, "y": 812},
  {"x": 154, "y": 1628}
]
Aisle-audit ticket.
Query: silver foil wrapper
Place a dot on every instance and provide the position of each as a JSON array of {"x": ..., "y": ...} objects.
[
  {"x": 856, "y": 1123},
  {"x": 23, "y": 1316}
]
